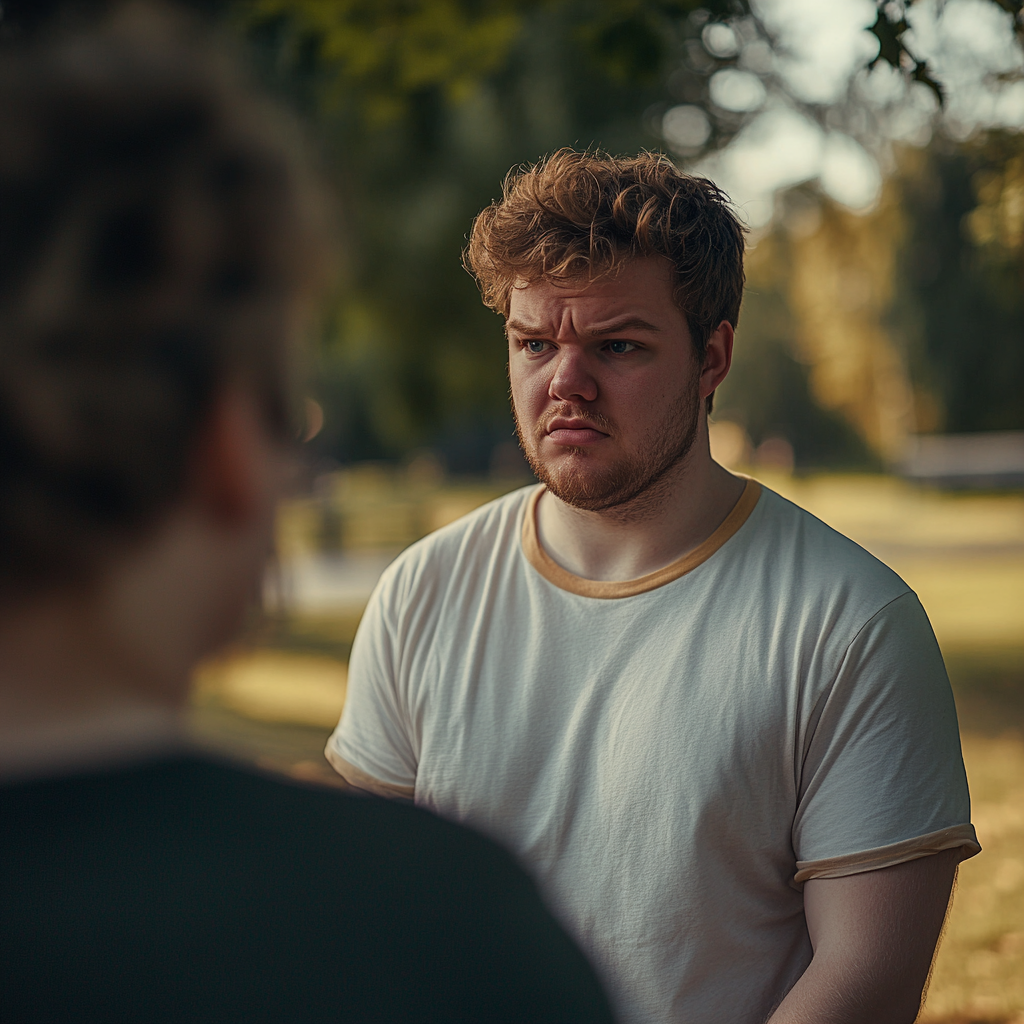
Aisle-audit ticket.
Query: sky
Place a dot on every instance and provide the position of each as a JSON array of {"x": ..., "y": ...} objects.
[{"x": 826, "y": 45}]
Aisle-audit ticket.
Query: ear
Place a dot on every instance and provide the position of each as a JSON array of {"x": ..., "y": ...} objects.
[
  {"x": 717, "y": 359},
  {"x": 228, "y": 474}
]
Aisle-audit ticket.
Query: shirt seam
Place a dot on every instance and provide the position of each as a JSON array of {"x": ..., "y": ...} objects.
[{"x": 951, "y": 837}]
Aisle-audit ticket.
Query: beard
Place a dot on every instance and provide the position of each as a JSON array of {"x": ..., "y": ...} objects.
[{"x": 631, "y": 482}]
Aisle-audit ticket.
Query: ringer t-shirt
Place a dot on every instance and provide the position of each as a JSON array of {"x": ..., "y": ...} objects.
[{"x": 672, "y": 756}]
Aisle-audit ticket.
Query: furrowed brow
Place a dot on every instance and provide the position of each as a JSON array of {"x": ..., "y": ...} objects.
[
  {"x": 520, "y": 327},
  {"x": 629, "y": 323}
]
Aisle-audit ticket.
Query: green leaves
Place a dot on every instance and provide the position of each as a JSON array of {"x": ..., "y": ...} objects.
[
  {"x": 420, "y": 108},
  {"x": 378, "y": 53}
]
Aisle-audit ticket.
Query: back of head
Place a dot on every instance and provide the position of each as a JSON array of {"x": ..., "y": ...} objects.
[
  {"x": 157, "y": 238},
  {"x": 582, "y": 214}
]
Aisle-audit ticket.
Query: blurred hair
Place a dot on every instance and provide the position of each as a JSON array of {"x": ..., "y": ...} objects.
[
  {"x": 582, "y": 214},
  {"x": 158, "y": 239}
]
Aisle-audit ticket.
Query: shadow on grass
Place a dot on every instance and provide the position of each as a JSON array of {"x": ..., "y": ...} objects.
[
  {"x": 285, "y": 747},
  {"x": 268, "y": 742}
]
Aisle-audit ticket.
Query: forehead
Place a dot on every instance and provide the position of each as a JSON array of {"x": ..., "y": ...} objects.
[{"x": 640, "y": 288}]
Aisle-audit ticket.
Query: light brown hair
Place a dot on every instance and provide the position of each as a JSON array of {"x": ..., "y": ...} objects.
[
  {"x": 157, "y": 234},
  {"x": 582, "y": 214}
]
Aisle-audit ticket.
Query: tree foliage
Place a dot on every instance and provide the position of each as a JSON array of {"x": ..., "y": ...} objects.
[
  {"x": 423, "y": 105},
  {"x": 420, "y": 107},
  {"x": 962, "y": 265}
]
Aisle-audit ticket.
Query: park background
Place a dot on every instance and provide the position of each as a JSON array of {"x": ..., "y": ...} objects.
[{"x": 876, "y": 152}]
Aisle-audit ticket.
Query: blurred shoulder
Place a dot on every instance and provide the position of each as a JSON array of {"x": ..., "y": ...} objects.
[
  {"x": 321, "y": 814},
  {"x": 414, "y": 888},
  {"x": 314, "y": 891},
  {"x": 211, "y": 807}
]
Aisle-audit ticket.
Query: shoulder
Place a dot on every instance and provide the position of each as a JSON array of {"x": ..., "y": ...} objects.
[
  {"x": 214, "y": 810},
  {"x": 803, "y": 550},
  {"x": 358, "y": 829},
  {"x": 787, "y": 571},
  {"x": 299, "y": 901},
  {"x": 412, "y": 887}
]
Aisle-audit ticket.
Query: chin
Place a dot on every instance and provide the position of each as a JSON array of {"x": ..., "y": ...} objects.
[{"x": 578, "y": 481}]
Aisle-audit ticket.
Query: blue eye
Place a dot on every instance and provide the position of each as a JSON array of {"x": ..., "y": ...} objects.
[
  {"x": 536, "y": 347},
  {"x": 621, "y": 347}
]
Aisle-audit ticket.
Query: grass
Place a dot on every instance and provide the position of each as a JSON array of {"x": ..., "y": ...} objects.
[{"x": 979, "y": 973}]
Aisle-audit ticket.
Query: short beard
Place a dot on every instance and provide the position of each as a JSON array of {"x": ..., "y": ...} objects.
[{"x": 631, "y": 486}]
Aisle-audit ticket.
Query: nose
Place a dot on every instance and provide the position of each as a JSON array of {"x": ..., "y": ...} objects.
[{"x": 571, "y": 379}]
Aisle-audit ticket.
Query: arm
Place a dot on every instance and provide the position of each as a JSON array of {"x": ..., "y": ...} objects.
[
  {"x": 373, "y": 747},
  {"x": 874, "y": 937},
  {"x": 363, "y": 782}
]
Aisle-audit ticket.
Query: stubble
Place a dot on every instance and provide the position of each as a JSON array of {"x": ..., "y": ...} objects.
[{"x": 631, "y": 487}]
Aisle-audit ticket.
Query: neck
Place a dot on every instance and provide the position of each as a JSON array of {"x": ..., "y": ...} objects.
[
  {"x": 71, "y": 693},
  {"x": 64, "y": 658},
  {"x": 127, "y": 641},
  {"x": 677, "y": 514}
]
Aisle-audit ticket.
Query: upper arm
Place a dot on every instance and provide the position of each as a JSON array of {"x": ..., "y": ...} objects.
[
  {"x": 882, "y": 778},
  {"x": 373, "y": 747},
  {"x": 882, "y": 821},
  {"x": 874, "y": 935},
  {"x": 363, "y": 781}
]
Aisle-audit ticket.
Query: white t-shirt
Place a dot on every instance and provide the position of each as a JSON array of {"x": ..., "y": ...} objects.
[{"x": 673, "y": 756}]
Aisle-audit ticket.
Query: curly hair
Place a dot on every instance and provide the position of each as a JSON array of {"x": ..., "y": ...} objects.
[
  {"x": 157, "y": 238},
  {"x": 582, "y": 214}
]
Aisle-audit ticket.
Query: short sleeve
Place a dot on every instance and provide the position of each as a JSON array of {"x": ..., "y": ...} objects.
[
  {"x": 883, "y": 777},
  {"x": 372, "y": 747}
]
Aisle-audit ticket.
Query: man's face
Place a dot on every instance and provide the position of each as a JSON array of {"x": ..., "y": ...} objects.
[{"x": 605, "y": 383}]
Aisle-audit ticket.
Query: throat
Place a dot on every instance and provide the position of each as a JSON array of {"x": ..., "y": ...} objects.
[
  {"x": 634, "y": 539},
  {"x": 614, "y": 544}
]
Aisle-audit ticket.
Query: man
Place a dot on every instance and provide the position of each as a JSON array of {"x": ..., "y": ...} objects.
[
  {"x": 157, "y": 250},
  {"x": 719, "y": 733}
]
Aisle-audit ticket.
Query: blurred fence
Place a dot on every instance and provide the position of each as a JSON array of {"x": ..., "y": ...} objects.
[{"x": 377, "y": 507}]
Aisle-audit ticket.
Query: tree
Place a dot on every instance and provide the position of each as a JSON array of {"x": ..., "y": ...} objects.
[
  {"x": 420, "y": 107},
  {"x": 962, "y": 267}
]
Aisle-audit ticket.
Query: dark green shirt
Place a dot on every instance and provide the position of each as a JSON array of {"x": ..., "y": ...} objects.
[{"x": 188, "y": 889}]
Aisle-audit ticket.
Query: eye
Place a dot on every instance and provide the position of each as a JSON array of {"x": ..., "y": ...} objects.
[
  {"x": 620, "y": 348},
  {"x": 534, "y": 346}
]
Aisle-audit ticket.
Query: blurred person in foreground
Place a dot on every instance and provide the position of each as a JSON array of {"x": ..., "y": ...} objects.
[
  {"x": 158, "y": 249},
  {"x": 719, "y": 733}
]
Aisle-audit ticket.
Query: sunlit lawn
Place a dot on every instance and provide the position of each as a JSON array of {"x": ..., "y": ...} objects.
[{"x": 277, "y": 700}]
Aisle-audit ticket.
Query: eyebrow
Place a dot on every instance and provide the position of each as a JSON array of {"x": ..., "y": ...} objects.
[{"x": 628, "y": 323}]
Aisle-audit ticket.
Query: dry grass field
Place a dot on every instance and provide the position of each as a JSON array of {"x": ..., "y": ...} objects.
[{"x": 277, "y": 700}]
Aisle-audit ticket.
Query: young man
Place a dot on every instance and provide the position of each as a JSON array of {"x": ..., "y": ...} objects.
[
  {"x": 157, "y": 248},
  {"x": 719, "y": 732}
]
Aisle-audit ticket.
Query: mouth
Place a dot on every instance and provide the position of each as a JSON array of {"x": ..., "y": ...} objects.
[{"x": 574, "y": 432}]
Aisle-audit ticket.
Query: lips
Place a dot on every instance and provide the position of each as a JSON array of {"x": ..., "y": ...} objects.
[{"x": 574, "y": 432}]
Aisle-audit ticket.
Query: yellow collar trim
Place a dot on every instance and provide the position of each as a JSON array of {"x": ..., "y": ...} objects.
[{"x": 565, "y": 580}]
